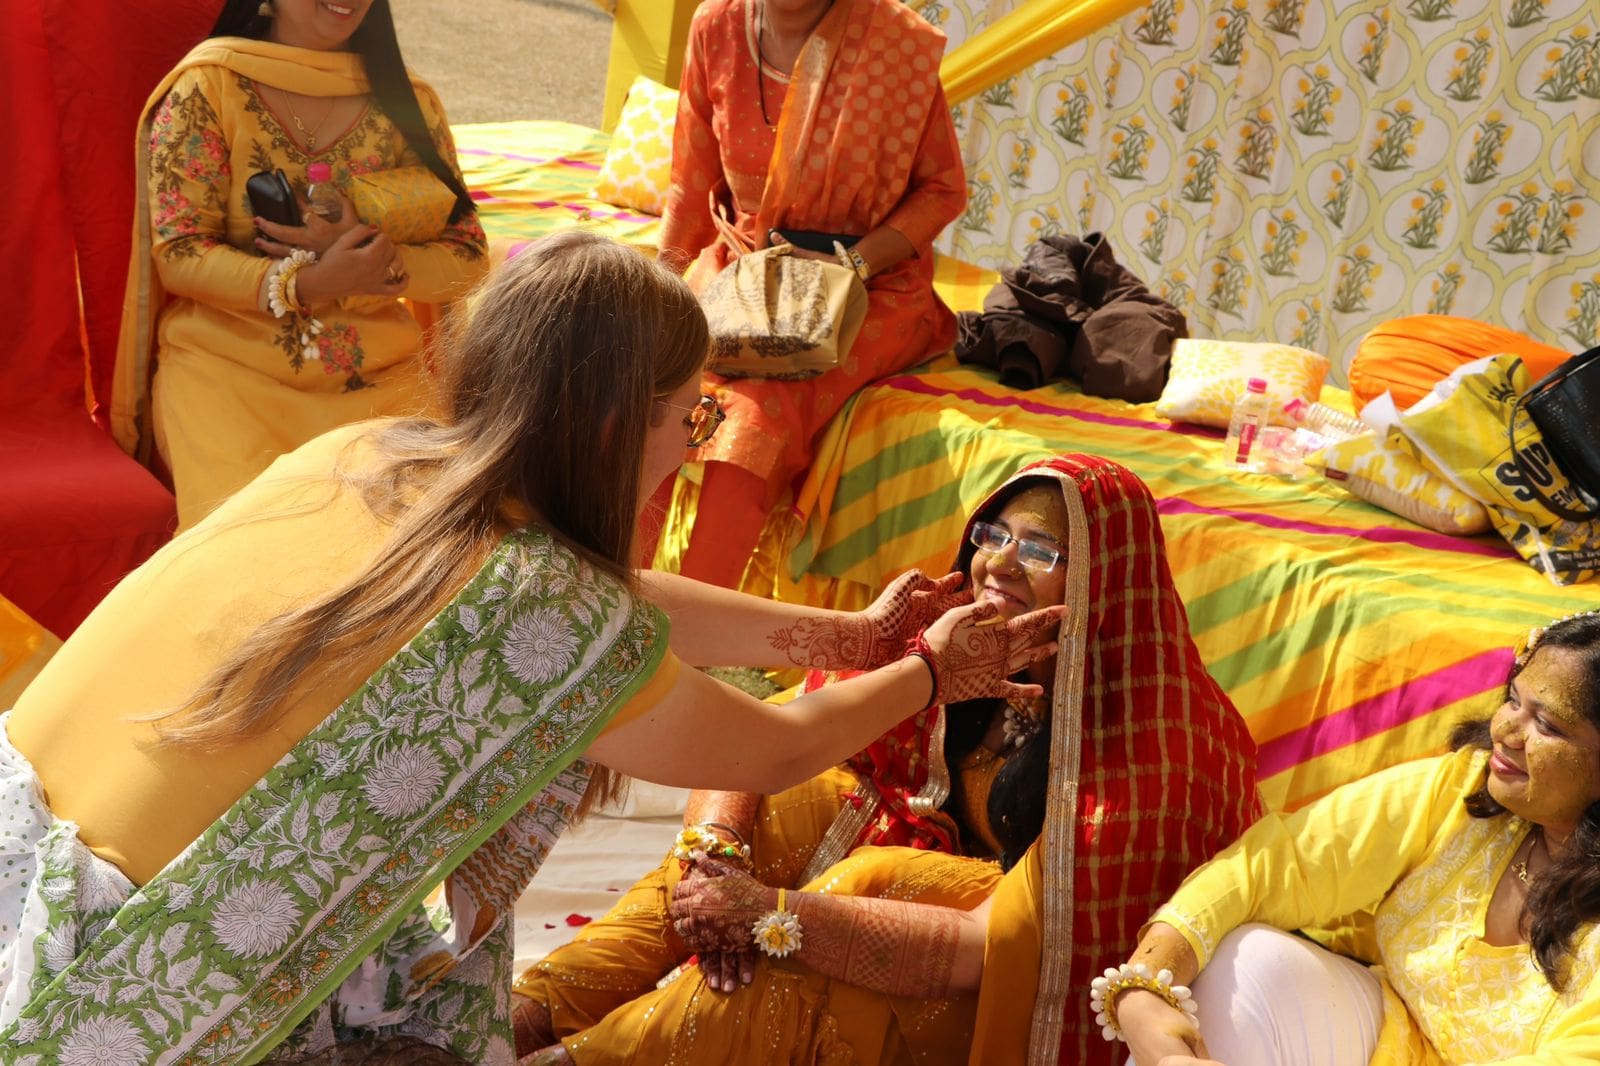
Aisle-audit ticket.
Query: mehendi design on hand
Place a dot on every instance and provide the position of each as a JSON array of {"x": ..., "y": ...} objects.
[
  {"x": 886, "y": 945},
  {"x": 825, "y": 643},
  {"x": 876, "y": 636},
  {"x": 737, "y": 809},
  {"x": 981, "y": 651},
  {"x": 715, "y": 905}
]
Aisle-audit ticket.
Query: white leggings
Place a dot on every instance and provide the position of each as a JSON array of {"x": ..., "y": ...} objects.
[{"x": 1269, "y": 998}]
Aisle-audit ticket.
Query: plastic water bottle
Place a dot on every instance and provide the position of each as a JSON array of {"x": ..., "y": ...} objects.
[
  {"x": 324, "y": 198},
  {"x": 1251, "y": 413},
  {"x": 1327, "y": 422}
]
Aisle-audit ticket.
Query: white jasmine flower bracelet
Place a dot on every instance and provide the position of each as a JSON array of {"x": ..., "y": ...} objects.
[
  {"x": 1103, "y": 992},
  {"x": 777, "y": 932},
  {"x": 283, "y": 302}
]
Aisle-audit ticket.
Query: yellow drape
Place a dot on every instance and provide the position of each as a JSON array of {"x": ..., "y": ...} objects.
[
  {"x": 1028, "y": 34},
  {"x": 25, "y": 646},
  {"x": 647, "y": 37}
]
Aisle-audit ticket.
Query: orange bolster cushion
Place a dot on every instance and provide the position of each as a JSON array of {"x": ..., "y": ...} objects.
[{"x": 1408, "y": 356}]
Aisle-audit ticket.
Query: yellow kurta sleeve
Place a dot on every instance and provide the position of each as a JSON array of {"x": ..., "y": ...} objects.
[
  {"x": 1338, "y": 855},
  {"x": 190, "y": 177},
  {"x": 446, "y": 268}
]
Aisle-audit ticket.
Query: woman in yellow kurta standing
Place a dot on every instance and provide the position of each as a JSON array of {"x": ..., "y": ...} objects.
[
  {"x": 278, "y": 85},
  {"x": 1481, "y": 869},
  {"x": 822, "y": 118}
]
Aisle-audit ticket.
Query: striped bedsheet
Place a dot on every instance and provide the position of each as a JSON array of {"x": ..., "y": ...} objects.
[
  {"x": 530, "y": 179},
  {"x": 1349, "y": 638}
]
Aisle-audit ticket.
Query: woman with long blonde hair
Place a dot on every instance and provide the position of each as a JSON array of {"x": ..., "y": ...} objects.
[{"x": 403, "y": 659}]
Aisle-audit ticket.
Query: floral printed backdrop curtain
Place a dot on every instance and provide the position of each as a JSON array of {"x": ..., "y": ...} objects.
[{"x": 1302, "y": 170}]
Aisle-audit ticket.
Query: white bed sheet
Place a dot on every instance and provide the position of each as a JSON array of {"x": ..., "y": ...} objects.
[{"x": 593, "y": 863}]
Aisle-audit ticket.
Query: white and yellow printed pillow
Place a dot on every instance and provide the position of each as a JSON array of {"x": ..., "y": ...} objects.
[
  {"x": 638, "y": 166},
  {"x": 1207, "y": 376}
]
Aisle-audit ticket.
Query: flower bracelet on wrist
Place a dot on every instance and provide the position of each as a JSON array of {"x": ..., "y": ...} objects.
[
  {"x": 701, "y": 841},
  {"x": 777, "y": 932},
  {"x": 1103, "y": 992},
  {"x": 283, "y": 301}
]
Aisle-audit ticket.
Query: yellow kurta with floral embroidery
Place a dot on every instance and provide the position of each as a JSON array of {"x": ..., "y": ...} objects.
[
  {"x": 232, "y": 389},
  {"x": 1401, "y": 841}
]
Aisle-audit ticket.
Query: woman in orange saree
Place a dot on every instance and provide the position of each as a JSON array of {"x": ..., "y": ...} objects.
[
  {"x": 855, "y": 140},
  {"x": 1139, "y": 769}
]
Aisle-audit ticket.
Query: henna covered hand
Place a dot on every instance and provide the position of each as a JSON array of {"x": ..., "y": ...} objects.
[
  {"x": 973, "y": 651},
  {"x": 715, "y": 905},
  {"x": 909, "y": 604},
  {"x": 727, "y": 970},
  {"x": 876, "y": 636}
]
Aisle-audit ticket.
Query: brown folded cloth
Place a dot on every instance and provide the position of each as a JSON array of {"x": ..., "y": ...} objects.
[{"x": 1071, "y": 310}]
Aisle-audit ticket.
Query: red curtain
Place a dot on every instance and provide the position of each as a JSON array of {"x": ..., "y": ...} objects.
[{"x": 75, "y": 512}]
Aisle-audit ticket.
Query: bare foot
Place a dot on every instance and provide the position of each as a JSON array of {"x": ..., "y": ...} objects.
[
  {"x": 531, "y": 1025},
  {"x": 554, "y": 1055}
]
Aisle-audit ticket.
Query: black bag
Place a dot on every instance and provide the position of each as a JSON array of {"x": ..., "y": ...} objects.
[
  {"x": 272, "y": 198},
  {"x": 1565, "y": 405}
]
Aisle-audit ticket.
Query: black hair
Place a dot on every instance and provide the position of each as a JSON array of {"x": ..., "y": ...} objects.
[
  {"x": 1566, "y": 895},
  {"x": 1020, "y": 789},
  {"x": 375, "y": 42}
]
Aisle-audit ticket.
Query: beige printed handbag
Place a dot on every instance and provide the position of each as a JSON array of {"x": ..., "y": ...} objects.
[{"x": 777, "y": 315}]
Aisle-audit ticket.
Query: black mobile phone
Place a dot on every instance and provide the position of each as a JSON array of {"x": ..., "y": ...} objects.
[{"x": 272, "y": 199}]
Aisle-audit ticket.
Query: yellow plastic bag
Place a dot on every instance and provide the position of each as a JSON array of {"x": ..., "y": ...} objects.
[
  {"x": 1460, "y": 430},
  {"x": 410, "y": 204}
]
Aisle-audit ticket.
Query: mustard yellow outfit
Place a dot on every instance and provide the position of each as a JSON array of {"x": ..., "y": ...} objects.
[
  {"x": 232, "y": 388},
  {"x": 1130, "y": 702},
  {"x": 1402, "y": 842}
]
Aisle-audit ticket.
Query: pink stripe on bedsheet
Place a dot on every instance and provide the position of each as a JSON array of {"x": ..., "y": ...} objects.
[
  {"x": 1417, "y": 538},
  {"x": 907, "y": 383},
  {"x": 543, "y": 205},
  {"x": 1404, "y": 703},
  {"x": 541, "y": 159}
]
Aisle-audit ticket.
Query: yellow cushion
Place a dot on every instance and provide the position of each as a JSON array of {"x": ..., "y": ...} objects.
[
  {"x": 638, "y": 166},
  {"x": 1207, "y": 376},
  {"x": 1383, "y": 470}
]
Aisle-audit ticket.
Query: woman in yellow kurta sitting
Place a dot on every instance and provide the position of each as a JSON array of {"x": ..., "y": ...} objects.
[
  {"x": 818, "y": 119},
  {"x": 993, "y": 839},
  {"x": 1482, "y": 868},
  {"x": 240, "y": 375}
]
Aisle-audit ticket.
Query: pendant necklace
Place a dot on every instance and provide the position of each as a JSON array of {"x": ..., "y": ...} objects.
[
  {"x": 1520, "y": 867},
  {"x": 310, "y": 136}
]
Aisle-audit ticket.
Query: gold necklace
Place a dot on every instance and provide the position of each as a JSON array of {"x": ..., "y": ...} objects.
[
  {"x": 310, "y": 136},
  {"x": 1520, "y": 867}
]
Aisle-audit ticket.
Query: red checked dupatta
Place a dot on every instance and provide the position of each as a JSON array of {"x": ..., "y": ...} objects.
[{"x": 1152, "y": 770}]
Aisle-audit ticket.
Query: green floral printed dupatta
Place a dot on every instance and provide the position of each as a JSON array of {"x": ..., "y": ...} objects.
[{"x": 457, "y": 757}]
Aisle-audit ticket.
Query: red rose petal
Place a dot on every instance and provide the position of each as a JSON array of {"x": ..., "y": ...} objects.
[{"x": 578, "y": 919}]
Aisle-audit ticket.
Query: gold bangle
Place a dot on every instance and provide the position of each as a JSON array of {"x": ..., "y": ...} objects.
[
  {"x": 696, "y": 842},
  {"x": 858, "y": 262},
  {"x": 1103, "y": 992}
]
